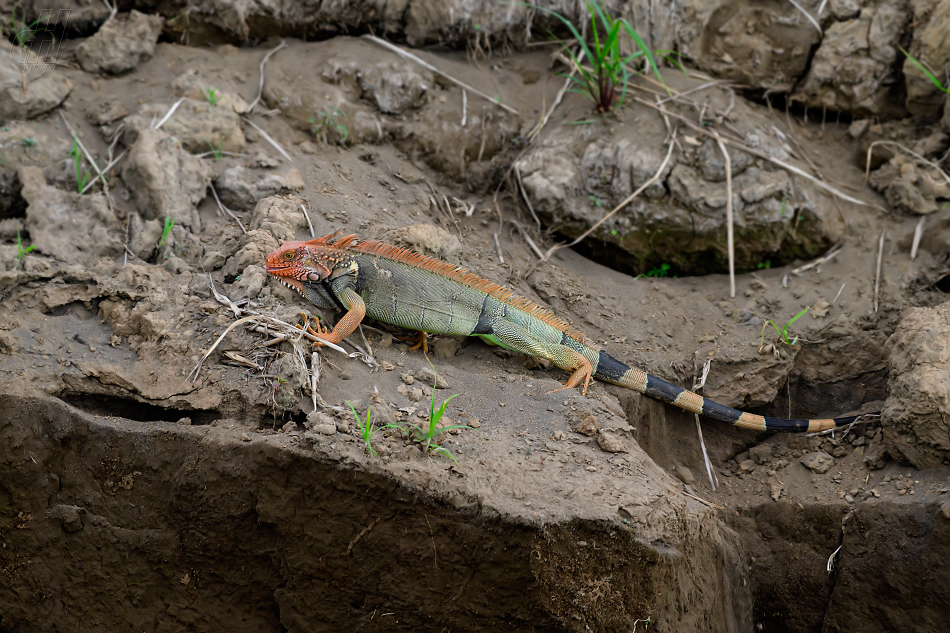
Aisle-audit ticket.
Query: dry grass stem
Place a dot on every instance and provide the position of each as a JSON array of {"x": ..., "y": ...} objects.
[
  {"x": 840, "y": 290},
  {"x": 807, "y": 15},
  {"x": 918, "y": 235},
  {"x": 83, "y": 148},
  {"x": 702, "y": 501},
  {"x": 557, "y": 101},
  {"x": 306, "y": 215},
  {"x": 260, "y": 88},
  {"x": 697, "y": 387},
  {"x": 524, "y": 194},
  {"x": 730, "y": 237},
  {"x": 168, "y": 114},
  {"x": 877, "y": 276},
  {"x": 431, "y": 68},
  {"x": 527, "y": 238},
  {"x": 464, "y": 107},
  {"x": 832, "y": 253},
  {"x": 501, "y": 258},
  {"x": 268, "y": 138},
  {"x": 226, "y": 210}
]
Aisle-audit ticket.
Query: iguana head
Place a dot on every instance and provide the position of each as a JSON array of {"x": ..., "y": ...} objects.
[
  {"x": 307, "y": 266},
  {"x": 295, "y": 263}
]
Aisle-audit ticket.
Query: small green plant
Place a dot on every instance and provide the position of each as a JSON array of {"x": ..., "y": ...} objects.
[
  {"x": 608, "y": 74},
  {"x": 211, "y": 95},
  {"x": 927, "y": 73},
  {"x": 660, "y": 271},
  {"x": 367, "y": 428},
  {"x": 595, "y": 201},
  {"x": 764, "y": 265},
  {"x": 20, "y": 251},
  {"x": 29, "y": 142},
  {"x": 19, "y": 30},
  {"x": 326, "y": 127},
  {"x": 782, "y": 335},
  {"x": 425, "y": 437},
  {"x": 82, "y": 175},
  {"x": 215, "y": 151},
  {"x": 166, "y": 231}
]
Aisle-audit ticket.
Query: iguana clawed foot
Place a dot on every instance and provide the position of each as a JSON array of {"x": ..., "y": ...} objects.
[
  {"x": 421, "y": 339},
  {"x": 581, "y": 374},
  {"x": 320, "y": 330}
]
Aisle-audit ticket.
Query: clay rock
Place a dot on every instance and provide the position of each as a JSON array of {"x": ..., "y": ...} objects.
[
  {"x": 395, "y": 88},
  {"x": 426, "y": 376},
  {"x": 280, "y": 217},
  {"x": 610, "y": 443},
  {"x": 916, "y": 415},
  {"x": 73, "y": 228},
  {"x": 685, "y": 475},
  {"x": 910, "y": 186},
  {"x": 932, "y": 44},
  {"x": 426, "y": 239},
  {"x": 747, "y": 47},
  {"x": 240, "y": 188},
  {"x": 819, "y": 462},
  {"x": 255, "y": 246},
  {"x": 164, "y": 179},
  {"x": 199, "y": 126},
  {"x": 44, "y": 89},
  {"x": 761, "y": 453},
  {"x": 71, "y": 517},
  {"x": 587, "y": 426},
  {"x": 575, "y": 174},
  {"x": 121, "y": 44},
  {"x": 853, "y": 69}
]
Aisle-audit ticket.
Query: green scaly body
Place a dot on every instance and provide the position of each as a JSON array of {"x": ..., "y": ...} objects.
[{"x": 403, "y": 288}]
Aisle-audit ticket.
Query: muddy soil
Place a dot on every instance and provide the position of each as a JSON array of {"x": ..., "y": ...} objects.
[{"x": 147, "y": 487}]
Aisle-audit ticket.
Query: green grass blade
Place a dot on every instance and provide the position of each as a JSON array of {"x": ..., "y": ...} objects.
[{"x": 924, "y": 70}]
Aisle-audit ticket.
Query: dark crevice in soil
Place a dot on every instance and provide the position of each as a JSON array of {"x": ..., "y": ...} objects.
[
  {"x": 832, "y": 399},
  {"x": 115, "y": 406}
]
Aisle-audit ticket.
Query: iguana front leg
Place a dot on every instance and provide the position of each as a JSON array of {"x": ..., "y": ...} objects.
[
  {"x": 517, "y": 338},
  {"x": 355, "y": 311}
]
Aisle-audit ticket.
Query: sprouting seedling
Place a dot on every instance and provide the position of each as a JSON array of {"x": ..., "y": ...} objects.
[
  {"x": 166, "y": 231},
  {"x": 660, "y": 271},
  {"x": 29, "y": 142},
  {"x": 82, "y": 175},
  {"x": 783, "y": 333},
  {"x": 927, "y": 73},
  {"x": 20, "y": 251},
  {"x": 367, "y": 428},
  {"x": 325, "y": 123},
  {"x": 215, "y": 151},
  {"x": 211, "y": 95},
  {"x": 425, "y": 437}
]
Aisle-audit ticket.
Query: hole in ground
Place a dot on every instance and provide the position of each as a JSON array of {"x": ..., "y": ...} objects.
[
  {"x": 832, "y": 399},
  {"x": 128, "y": 408}
]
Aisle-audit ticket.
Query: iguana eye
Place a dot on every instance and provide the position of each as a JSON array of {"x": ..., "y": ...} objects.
[{"x": 289, "y": 255}]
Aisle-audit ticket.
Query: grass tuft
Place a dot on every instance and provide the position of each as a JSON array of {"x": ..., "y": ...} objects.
[{"x": 603, "y": 71}]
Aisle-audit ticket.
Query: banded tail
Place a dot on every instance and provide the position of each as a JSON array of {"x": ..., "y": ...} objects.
[{"x": 613, "y": 371}]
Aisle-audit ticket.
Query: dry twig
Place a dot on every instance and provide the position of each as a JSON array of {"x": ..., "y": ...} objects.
[
  {"x": 877, "y": 276},
  {"x": 431, "y": 68},
  {"x": 260, "y": 90}
]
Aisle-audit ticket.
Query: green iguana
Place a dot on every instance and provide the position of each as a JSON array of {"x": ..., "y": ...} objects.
[{"x": 403, "y": 288}]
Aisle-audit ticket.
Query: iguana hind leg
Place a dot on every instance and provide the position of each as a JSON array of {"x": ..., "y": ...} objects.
[
  {"x": 517, "y": 338},
  {"x": 421, "y": 339}
]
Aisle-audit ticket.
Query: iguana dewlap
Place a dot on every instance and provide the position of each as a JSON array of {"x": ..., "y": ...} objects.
[{"x": 403, "y": 288}]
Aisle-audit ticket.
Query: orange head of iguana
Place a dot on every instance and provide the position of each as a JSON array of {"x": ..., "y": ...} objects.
[{"x": 305, "y": 266}]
